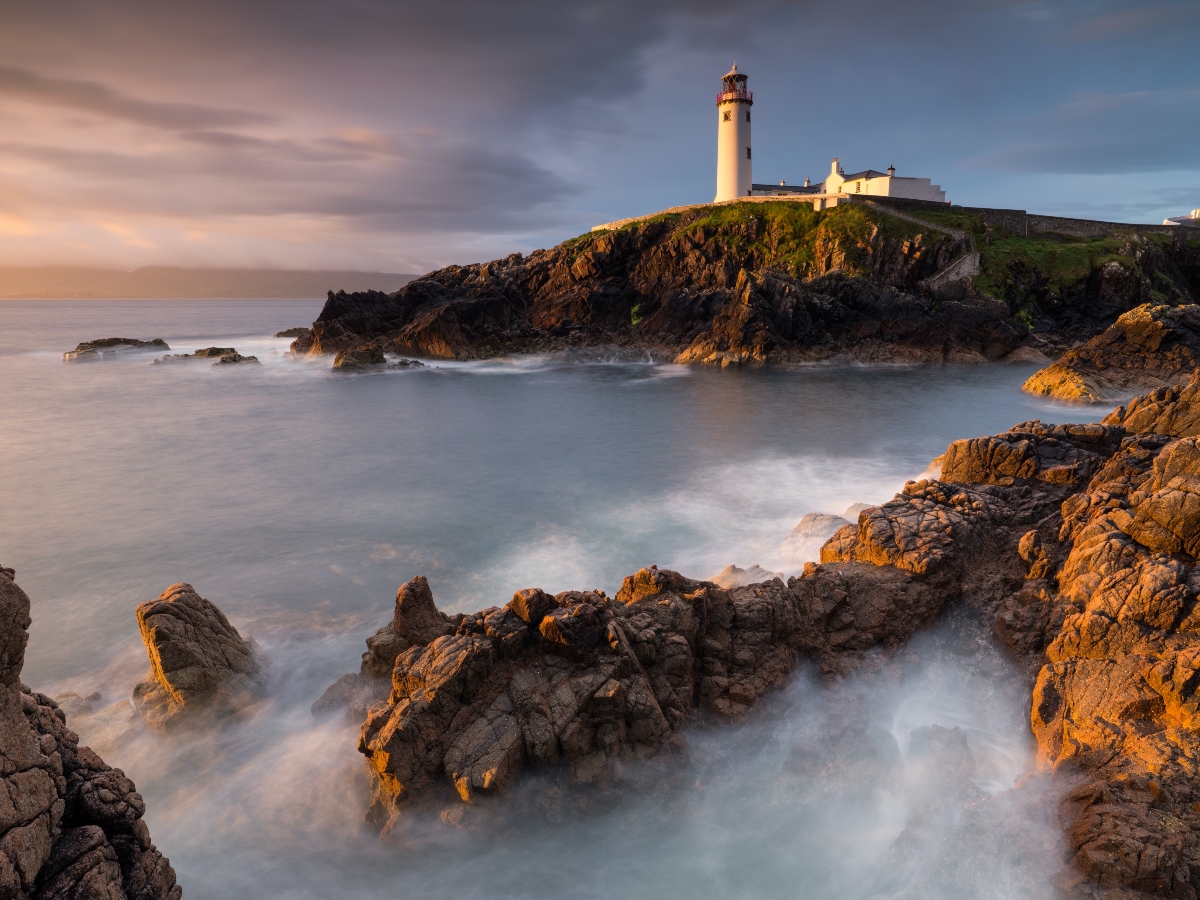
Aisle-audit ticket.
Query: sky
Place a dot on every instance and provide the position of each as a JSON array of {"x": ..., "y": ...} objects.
[{"x": 402, "y": 136}]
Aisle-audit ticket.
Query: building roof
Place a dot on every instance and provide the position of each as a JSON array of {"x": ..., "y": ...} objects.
[
  {"x": 865, "y": 173},
  {"x": 787, "y": 188}
]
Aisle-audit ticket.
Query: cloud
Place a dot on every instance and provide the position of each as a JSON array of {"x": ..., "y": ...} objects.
[
  {"x": 1123, "y": 23},
  {"x": 1137, "y": 131},
  {"x": 468, "y": 127},
  {"x": 99, "y": 99}
]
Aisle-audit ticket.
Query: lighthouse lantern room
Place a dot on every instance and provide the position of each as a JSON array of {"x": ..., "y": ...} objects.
[{"x": 733, "y": 137}]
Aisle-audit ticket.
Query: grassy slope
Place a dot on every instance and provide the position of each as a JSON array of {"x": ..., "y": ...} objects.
[
  {"x": 1064, "y": 260},
  {"x": 785, "y": 236},
  {"x": 788, "y": 235}
]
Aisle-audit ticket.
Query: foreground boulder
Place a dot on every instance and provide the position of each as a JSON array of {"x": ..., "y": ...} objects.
[
  {"x": 199, "y": 664},
  {"x": 111, "y": 348},
  {"x": 1148, "y": 347},
  {"x": 70, "y": 826}
]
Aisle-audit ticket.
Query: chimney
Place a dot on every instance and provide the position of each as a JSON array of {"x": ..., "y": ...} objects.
[{"x": 891, "y": 170}]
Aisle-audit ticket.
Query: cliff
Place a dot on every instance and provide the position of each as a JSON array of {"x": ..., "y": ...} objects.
[{"x": 773, "y": 283}]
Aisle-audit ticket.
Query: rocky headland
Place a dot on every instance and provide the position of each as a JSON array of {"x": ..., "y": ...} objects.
[
  {"x": 776, "y": 283},
  {"x": 1076, "y": 545},
  {"x": 70, "y": 826},
  {"x": 1152, "y": 346}
]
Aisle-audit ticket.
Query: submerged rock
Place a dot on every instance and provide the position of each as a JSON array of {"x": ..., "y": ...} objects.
[
  {"x": 1148, "y": 347},
  {"x": 111, "y": 348},
  {"x": 70, "y": 826},
  {"x": 199, "y": 664}
]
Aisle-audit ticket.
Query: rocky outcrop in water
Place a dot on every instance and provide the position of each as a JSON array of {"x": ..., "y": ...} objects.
[
  {"x": 755, "y": 284},
  {"x": 222, "y": 355},
  {"x": 111, "y": 348},
  {"x": 1148, "y": 347},
  {"x": 200, "y": 666},
  {"x": 1078, "y": 544},
  {"x": 70, "y": 826}
]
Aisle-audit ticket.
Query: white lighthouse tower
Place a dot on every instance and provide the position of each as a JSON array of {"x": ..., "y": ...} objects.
[{"x": 733, "y": 137}]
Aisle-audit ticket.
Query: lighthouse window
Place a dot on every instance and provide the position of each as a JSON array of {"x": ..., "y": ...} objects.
[
  {"x": 747, "y": 115},
  {"x": 747, "y": 153},
  {"x": 727, "y": 116}
]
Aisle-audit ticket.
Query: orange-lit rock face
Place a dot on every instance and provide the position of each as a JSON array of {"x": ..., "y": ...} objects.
[{"x": 1119, "y": 696}]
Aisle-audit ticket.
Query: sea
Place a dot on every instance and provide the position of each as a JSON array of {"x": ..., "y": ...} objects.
[{"x": 298, "y": 499}]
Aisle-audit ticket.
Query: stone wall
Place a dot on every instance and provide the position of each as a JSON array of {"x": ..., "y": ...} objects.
[{"x": 1019, "y": 221}]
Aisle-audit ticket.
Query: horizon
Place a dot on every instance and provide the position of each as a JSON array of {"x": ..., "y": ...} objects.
[{"x": 401, "y": 139}]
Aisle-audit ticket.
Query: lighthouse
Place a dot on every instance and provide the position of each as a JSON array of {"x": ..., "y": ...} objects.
[{"x": 733, "y": 137}]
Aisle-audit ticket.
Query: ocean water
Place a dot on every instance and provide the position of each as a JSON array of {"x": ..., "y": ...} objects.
[{"x": 298, "y": 500}]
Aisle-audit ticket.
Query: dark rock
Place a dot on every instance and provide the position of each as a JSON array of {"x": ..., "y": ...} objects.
[
  {"x": 236, "y": 359},
  {"x": 302, "y": 331},
  {"x": 222, "y": 355},
  {"x": 198, "y": 661},
  {"x": 70, "y": 826},
  {"x": 361, "y": 358},
  {"x": 111, "y": 348}
]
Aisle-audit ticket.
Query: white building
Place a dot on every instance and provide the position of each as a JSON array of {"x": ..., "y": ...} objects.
[
  {"x": 1193, "y": 219},
  {"x": 734, "y": 162}
]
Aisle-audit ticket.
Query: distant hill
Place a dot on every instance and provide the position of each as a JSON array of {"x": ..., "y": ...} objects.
[{"x": 178, "y": 283}]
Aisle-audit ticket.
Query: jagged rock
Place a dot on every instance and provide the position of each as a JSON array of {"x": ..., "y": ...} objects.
[
  {"x": 415, "y": 620},
  {"x": 111, "y": 348},
  {"x": 804, "y": 542},
  {"x": 1148, "y": 347},
  {"x": 361, "y": 358},
  {"x": 70, "y": 826},
  {"x": 301, "y": 331},
  {"x": 198, "y": 661}
]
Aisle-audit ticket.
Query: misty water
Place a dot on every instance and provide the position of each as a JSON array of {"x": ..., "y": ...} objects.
[{"x": 298, "y": 500}]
